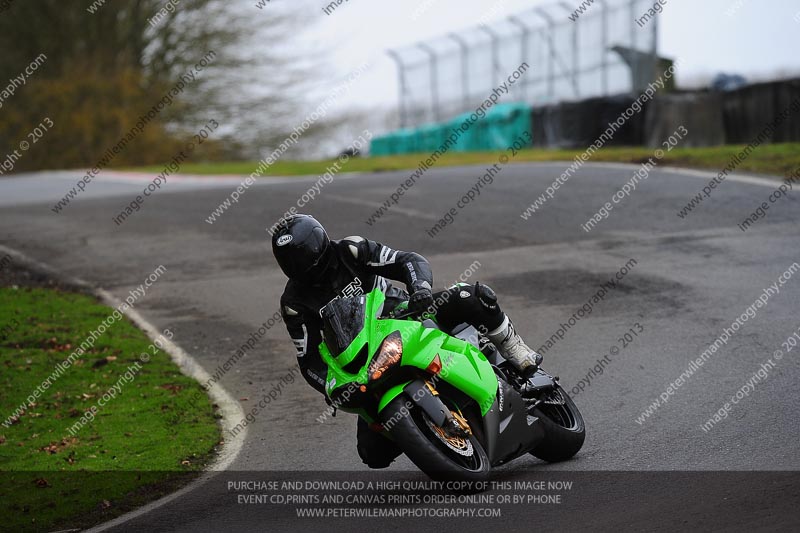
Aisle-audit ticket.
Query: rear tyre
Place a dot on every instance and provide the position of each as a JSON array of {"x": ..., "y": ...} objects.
[
  {"x": 564, "y": 428},
  {"x": 440, "y": 458}
]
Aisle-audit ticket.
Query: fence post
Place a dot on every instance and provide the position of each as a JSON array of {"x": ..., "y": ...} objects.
[
  {"x": 654, "y": 48},
  {"x": 495, "y": 51},
  {"x": 526, "y": 33},
  {"x": 575, "y": 23},
  {"x": 434, "y": 79},
  {"x": 635, "y": 65},
  {"x": 401, "y": 71},
  {"x": 464, "y": 50},
  {"x": 605, "y": 47},
  {"x": 551, "y": 59}
]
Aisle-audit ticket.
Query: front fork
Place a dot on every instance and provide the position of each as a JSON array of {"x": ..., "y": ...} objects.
[{"x": 426, "y": 397}]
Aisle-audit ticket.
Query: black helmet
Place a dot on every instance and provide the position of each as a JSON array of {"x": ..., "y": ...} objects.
[{"x": 302, "y": 248}]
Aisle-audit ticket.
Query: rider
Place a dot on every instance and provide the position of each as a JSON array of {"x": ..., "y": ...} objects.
[{"x": 320, "y": 270}]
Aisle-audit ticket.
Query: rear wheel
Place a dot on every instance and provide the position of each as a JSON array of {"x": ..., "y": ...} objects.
[
  {"x": 441, "y": 457},
  {"x": 563, "y": 426}
]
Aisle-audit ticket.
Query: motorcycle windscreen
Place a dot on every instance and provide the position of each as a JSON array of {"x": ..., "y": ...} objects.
[{"x": 342, "y": 321}]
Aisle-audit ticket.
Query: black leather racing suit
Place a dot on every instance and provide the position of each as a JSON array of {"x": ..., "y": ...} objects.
[{"x": 359, "y": 266}]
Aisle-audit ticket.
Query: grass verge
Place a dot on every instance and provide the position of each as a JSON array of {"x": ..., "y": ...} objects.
[
  {"x": 157, "y": 432},
  {"x": 774, "y": 159}
]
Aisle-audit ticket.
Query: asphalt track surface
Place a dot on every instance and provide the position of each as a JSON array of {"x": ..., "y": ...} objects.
[{"x": 693, "y": 277}]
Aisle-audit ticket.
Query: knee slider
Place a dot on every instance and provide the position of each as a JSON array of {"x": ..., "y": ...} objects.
[{"x": 486, "y": 296}]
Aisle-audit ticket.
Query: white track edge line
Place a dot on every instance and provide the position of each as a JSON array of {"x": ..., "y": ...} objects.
[{"x": 229, "y": 409}]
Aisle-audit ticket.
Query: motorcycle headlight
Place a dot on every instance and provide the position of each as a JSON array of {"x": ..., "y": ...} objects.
[{"x": 388, "y": 354}]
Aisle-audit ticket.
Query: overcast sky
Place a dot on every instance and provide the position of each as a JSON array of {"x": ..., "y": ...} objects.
[{"x": 759, "y": 40}]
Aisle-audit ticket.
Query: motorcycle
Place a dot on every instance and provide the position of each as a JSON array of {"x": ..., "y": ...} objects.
[{"x": 448, "y": 399}]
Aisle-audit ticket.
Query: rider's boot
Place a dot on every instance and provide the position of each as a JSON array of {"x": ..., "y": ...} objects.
[{"x": 514, "y": 350}]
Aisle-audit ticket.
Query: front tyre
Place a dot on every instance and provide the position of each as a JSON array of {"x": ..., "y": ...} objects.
[
  {"x": 441, "y": 458},
  {"x": 563, "y": 425}
]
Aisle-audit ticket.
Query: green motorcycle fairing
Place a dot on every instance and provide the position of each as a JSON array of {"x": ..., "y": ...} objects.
[{"x": 463, "y": 365}]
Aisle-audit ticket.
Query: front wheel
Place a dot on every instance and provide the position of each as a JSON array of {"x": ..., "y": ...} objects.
[
  {"x": 441, "y": 457},
  {"x": 563, "y": 425}
]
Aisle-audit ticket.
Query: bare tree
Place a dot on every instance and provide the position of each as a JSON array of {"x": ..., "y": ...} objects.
[{"x": 105, "y": 68}]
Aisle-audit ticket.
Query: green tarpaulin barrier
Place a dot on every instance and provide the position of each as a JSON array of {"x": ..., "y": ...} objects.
[{"x": 497, "y": 130}]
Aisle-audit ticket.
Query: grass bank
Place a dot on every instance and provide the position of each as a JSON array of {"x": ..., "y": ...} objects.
[
  {"x": 158, "y": 429},
  {"x": 775, "y": 159}
]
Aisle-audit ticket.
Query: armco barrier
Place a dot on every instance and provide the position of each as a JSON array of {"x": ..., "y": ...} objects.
[
  {"x": 579, "y": 124},
  {"x": 700, "y": 113},
  {"x": 747, "y": 110},
  {"x": 713, "y": 118}
]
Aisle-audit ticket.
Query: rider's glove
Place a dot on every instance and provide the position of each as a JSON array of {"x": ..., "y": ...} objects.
[{"x": 421, "y": 298}]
